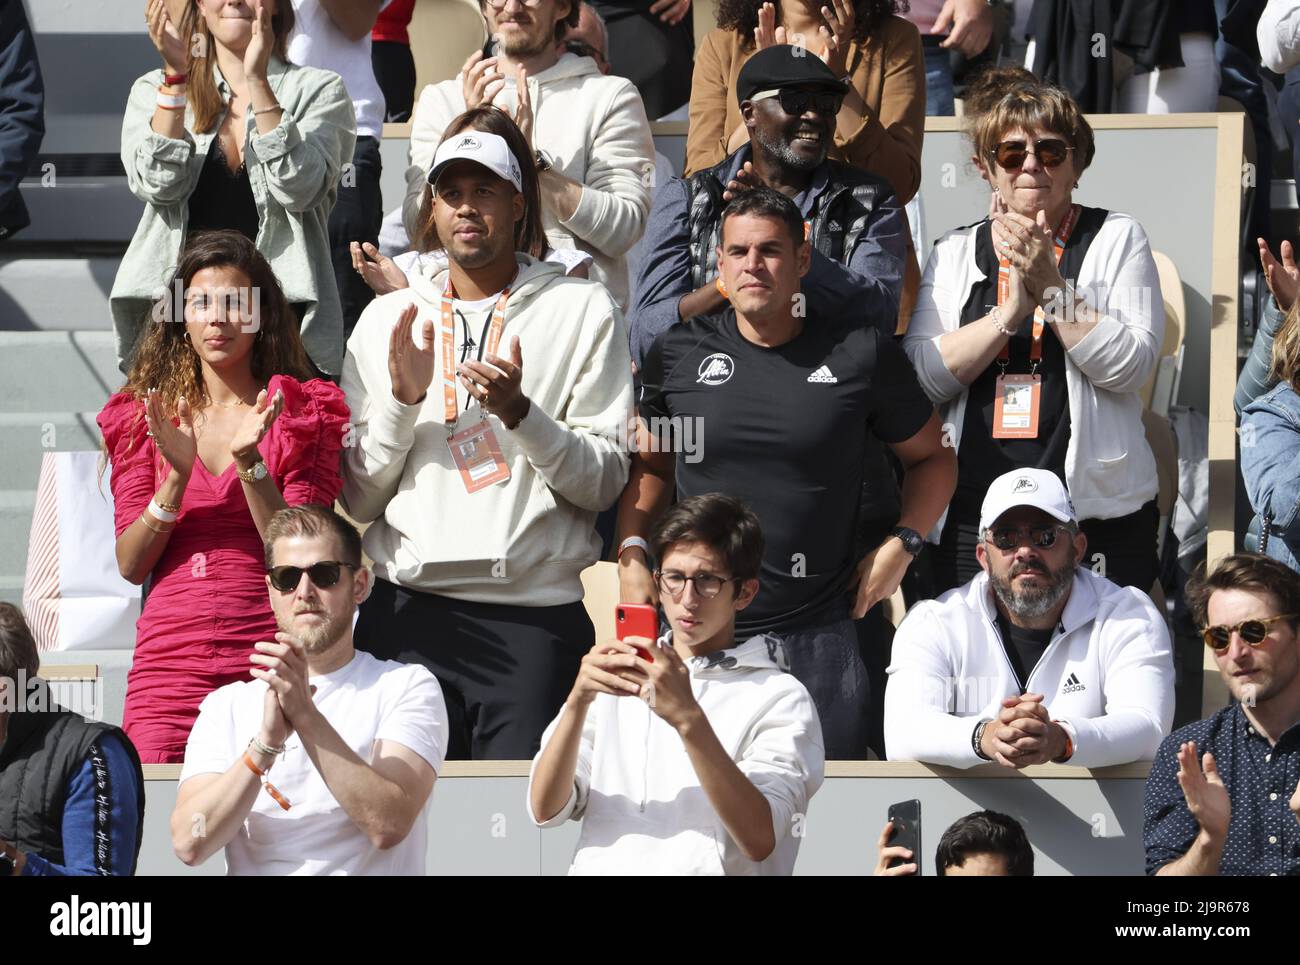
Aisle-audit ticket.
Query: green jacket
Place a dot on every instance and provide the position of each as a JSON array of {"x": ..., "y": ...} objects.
[{"x": 294, "y": 171}]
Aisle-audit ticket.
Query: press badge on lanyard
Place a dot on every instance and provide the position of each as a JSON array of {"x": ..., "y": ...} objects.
[
  {"x": 474, "y": 449},
  {"x": 1016, "y": 397}
]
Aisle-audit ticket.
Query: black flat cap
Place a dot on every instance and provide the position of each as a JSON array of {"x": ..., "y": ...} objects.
[{"x": 784, "y": 65}]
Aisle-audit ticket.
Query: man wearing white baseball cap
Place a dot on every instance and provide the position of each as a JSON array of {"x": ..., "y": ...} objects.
[
  {"x": 489, "y": 401},
  {"x": 1035, "y": 660}
]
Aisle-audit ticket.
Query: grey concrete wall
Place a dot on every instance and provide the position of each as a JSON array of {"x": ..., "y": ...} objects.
[{"x": 477, "y": 825}]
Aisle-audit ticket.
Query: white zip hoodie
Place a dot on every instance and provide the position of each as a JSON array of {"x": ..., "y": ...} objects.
[
  {"x": 1107, "y": 675},
  {"x": 523, "y": 541},
  {"x": 642, "y": 808},
  {"x": 595, "y": 130}
]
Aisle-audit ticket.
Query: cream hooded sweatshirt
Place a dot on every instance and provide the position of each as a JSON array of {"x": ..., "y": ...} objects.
[{"x": 525, "y": 540}]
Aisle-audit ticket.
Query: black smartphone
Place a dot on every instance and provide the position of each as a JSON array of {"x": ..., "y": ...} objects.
[
  {"x": 492, "y": 47},
  {"x": 906, "y": 833}
]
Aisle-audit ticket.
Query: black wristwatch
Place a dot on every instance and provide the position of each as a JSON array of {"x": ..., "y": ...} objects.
[
  {"x": 542, "y": 160},
  {"x": 7, "y": 864},
  {"x": 911, "y": 539}
]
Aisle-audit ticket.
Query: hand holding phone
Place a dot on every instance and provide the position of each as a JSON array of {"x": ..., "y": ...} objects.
[
  {"x": 637, "y": 620},
  {"x": 904, "y": 832}
]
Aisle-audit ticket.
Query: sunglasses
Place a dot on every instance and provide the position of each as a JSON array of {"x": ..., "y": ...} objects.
[
  {"x": 795, "y": 102},
  {"x": 1050, "y": 151},
  {"x": 706, "y": 584},
  {"x": 323, "y": 575},
  {"x": 583, "y": 49},
  {"x": 1040, "y": 537},
  {"x": 1254, "y": 632}
]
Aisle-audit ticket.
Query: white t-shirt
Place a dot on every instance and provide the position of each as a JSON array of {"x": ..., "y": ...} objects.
[
  {"x": 367, "y": 700},
  {"x": 316, "y": 42}
]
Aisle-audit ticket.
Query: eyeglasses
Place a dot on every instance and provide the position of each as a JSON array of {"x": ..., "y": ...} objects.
[
  {"x": 501, "y": 4},
  {"x": 1254, "y": 632},
  {"x": 583, "y": 49},
  {"x": 795, "y": 102},
  {"x": 706, "y": 584},
  {"x": 1040, "y": 537},
  {"x": 1050, "y": 151},
  {"x": 323, "y": 575}
]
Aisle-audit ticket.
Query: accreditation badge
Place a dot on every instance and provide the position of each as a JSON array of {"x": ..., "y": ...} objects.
[
  {"x": 477, "y": 455},
  {"x": 1015, "y": 406}
]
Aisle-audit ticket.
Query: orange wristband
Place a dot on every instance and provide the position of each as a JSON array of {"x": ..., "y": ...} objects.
[
  {"x": 1069, "y": 746},
  {"x": 722, "y": 289},
  {"x": 276, "y": 796}
]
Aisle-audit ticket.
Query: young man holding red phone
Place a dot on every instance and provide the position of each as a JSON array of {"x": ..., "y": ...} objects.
[{"x": 712, "y": 770}]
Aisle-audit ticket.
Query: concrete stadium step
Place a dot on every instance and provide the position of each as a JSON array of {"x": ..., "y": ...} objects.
[
  {"x": 56, "y": 294},
  {"x": 57, "y": 371},
  {"x": 11, "y": 590},
  {"x": 16, "y": 507},
  {"x": 25, "y": 437}
]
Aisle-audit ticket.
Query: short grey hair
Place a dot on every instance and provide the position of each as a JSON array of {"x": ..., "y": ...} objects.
[{"x": 604, "y": 30}]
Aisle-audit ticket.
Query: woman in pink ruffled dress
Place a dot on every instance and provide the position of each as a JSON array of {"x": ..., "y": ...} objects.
[{"x": 219, "y": 425}]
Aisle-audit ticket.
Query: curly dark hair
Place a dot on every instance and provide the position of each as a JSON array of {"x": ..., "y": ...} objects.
[
  {"x": 165, "y": 359},
  {"x": 742, "y": 16}
]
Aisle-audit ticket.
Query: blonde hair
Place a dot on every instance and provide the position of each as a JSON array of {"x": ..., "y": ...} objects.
[
  {"x": 1286, "y": 350},
  {"x": 205, "y": 100}
]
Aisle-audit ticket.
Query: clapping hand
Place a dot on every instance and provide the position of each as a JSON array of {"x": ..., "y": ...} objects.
[
  {"x": 377, "y": 270},
  {"x": 166, "y": 38},
  {"x": 176, "y": 442},
  {"x": 257, "y": 55},
  {"x": 1206, "y": 796},
  {"x": 410, "y": 367},
  {"x": 254, "y": 427},
  {"x": 1283, "y": 279}
]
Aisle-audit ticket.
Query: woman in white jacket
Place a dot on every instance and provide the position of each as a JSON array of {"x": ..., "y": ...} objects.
[{"x": 1033, "y": 331}]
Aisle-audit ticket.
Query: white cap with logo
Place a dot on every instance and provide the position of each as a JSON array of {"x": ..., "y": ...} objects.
[
  {"x": 489, "y": 150},
  {"x": 1038, "y": 488}
]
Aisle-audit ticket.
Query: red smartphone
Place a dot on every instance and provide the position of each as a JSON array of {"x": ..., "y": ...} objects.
[{"x": 637, "y": 620}]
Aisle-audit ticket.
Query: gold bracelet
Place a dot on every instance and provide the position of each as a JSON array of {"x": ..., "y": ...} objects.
[
  {"x": 149, "y": 525},
  {"x": 166, "y": 507}
]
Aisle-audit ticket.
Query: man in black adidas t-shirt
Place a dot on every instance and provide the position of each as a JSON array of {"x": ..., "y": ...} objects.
[{"x": 765, "y": 405}]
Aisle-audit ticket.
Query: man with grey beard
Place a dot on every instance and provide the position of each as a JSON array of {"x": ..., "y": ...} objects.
[
  {"x": 355, "y": 742},
  {"x": 1037, "y": 659}
]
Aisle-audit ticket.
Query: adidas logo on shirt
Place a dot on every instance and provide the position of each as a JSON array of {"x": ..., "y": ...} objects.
[
  {"x": 823, "y": 374},
  {"x": 1072, "y": 685}
]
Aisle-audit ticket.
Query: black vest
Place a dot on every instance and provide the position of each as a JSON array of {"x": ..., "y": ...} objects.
[
  {"x": 42, "y": 752},
  {"x": 836, "y": 226}
]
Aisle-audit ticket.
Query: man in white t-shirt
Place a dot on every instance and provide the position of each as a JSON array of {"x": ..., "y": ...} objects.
[
  {"x": 335, "y": 35},
  {"x": 352, "y": 744}
]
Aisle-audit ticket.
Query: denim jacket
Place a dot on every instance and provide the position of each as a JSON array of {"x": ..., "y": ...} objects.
[
  {"x": 1270, "y": 466},
  {"x": 294, "y": 172},
  {"x": 1255, "y": 378}
]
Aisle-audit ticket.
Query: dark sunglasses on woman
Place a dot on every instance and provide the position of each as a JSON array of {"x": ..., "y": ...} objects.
[
  {"x": 323, "y": 575},
  {"x": 1254, "y": 632},
  {"x": 1050, "y": 151}
]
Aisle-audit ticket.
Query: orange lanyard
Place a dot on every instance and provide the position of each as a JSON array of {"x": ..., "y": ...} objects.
[
  {"x": 1004, "y": 287},
  {"x": 451, "y": 409}
]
